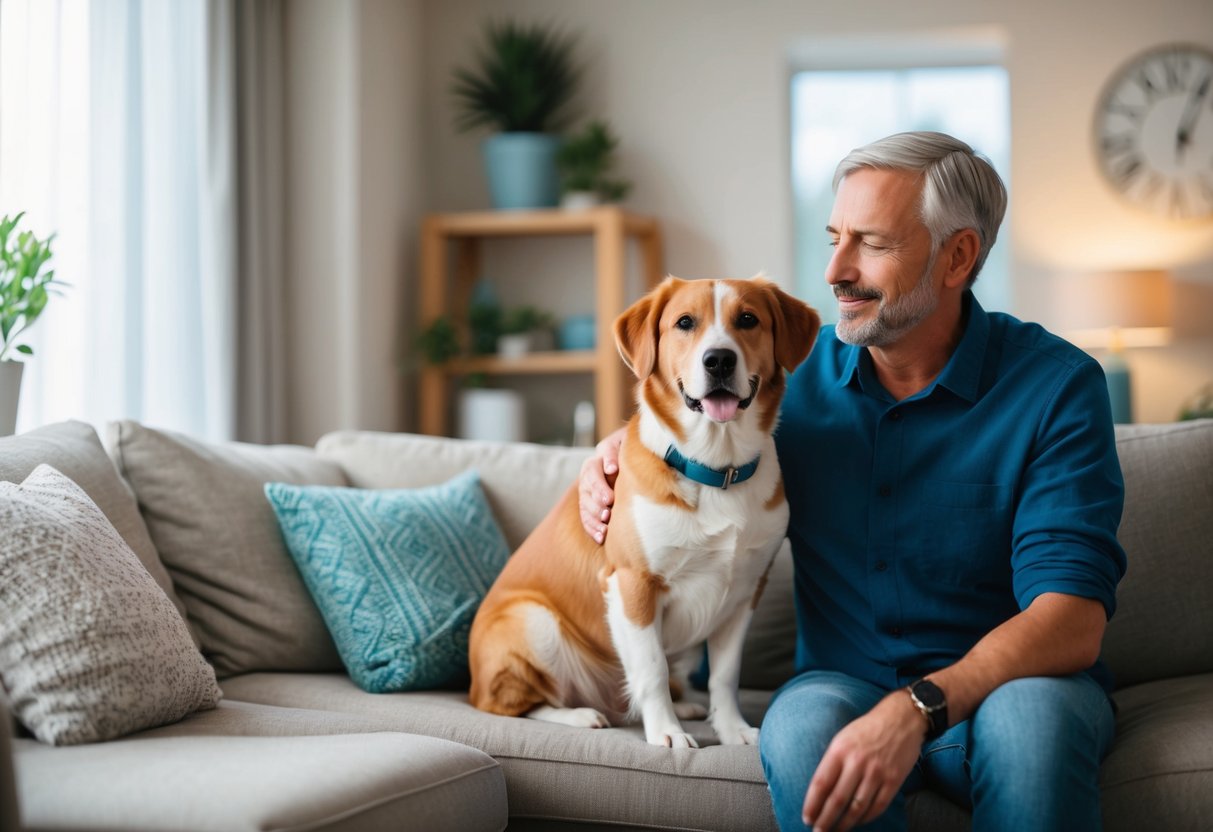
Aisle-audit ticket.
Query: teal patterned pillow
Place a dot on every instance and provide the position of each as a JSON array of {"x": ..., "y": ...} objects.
[{"x": 397, "y": 574}]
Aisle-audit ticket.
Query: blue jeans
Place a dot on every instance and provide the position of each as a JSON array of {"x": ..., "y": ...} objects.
[{"x": 1027, "y": 759}]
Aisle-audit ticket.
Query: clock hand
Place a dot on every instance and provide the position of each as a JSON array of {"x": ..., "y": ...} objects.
[{"x": 1183, "y": 136}]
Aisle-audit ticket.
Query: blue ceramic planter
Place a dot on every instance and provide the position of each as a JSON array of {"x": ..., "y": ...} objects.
[{"x": 522, "y": 170}]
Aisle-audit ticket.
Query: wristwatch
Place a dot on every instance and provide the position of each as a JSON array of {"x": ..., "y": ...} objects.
[{"x": 932, "y": 704}]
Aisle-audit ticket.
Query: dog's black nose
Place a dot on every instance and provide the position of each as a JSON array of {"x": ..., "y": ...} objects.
[{"x": 720, "y": 363}]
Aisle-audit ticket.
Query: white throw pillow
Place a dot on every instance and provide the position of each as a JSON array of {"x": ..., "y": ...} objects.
[{"x": 90, "y": 647}]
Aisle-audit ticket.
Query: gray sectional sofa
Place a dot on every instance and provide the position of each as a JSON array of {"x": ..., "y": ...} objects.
[{"x": 294, "y": 744}]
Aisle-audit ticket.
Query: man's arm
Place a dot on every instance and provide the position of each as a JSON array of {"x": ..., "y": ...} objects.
[
  {"x": 865, "y": 765},
  {"x": 595, "y": 491}
]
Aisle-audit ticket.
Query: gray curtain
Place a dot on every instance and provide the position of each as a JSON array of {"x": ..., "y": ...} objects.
[{"x": 261, "y": 338}]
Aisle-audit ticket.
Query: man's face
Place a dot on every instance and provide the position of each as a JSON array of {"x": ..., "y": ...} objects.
[{"x": 882, "y": 269}]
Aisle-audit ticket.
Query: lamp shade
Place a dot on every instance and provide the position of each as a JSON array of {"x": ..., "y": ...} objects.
[{"x": 1136, "y": 303}]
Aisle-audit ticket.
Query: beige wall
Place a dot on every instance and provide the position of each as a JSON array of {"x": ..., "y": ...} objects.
[
  {"x": 698, "y": 90},
  {"x": 354, "y": 200}
]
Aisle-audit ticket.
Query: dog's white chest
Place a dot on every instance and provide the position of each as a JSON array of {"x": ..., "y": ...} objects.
[{"x": 711, "y": 559}]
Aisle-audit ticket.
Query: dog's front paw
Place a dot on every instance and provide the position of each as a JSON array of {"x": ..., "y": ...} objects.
[
  {"x": 672, "y": 739},
  {"x": 735, "y": 731}
]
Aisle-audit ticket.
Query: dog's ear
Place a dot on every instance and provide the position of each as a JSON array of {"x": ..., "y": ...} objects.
[
  {"x": 796, "y": 326},
  {"x": 636, "y": 329}
]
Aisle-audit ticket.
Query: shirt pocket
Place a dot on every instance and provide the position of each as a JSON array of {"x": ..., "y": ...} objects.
[{"x": 965, "y": 531}]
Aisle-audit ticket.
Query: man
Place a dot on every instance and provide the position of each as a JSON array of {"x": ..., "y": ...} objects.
[{"x": 955, "y": 495}]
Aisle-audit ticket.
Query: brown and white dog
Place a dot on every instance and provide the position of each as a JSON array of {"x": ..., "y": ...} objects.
[{"x": 582, "y": 634}]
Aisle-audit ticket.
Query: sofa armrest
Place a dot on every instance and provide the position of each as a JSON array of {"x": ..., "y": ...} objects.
[{"x": 8, "y": 784}]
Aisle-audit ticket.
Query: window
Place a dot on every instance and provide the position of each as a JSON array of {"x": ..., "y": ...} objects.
[{"x": 835, "y": 111}]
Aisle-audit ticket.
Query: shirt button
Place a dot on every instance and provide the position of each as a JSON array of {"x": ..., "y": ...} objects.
[
  {"x": 895, "y": 632},
  {"x": 881, "y": 566},
  {"x": 895, "y": 415},
  {"x": 885, "y": 490}
]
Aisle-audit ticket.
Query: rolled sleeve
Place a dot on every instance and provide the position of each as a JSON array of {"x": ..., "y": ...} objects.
[{"x": 1071, "y": 498}]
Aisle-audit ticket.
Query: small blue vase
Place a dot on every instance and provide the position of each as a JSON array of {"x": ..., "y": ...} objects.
[{"x": 522, "y": 170}]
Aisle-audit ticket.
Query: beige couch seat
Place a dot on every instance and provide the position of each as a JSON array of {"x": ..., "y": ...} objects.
[{"x": 250, "y": 767}]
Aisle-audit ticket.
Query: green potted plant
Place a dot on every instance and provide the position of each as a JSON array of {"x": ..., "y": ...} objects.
[
  {"x": 525, "y": 329},
  {"x": 522, "y": 86},
  {"x": 585, "y": 161},
  {"x": 25, "y": 287}
]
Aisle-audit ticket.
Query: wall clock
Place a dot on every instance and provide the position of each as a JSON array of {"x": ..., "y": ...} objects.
[{"x": 1154, "y": 131}]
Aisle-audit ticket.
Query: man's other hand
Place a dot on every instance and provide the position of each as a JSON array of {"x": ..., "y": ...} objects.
[{"x": 596, "y": 485}]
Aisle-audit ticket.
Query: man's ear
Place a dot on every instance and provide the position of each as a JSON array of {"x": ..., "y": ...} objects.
[
  {"x": 960, "y": 256},
  {"x": 636, "y": 329},
  {"x": 796, "y": 326}
]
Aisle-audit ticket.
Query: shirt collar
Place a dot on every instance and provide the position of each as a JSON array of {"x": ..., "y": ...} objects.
[{"x": 961, "y": 375}]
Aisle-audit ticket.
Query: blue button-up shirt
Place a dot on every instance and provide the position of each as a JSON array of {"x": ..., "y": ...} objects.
[{"x": 919, "y": 526}]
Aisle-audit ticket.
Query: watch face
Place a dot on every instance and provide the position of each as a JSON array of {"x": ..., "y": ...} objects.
[{"x": 1154, "y": 132}]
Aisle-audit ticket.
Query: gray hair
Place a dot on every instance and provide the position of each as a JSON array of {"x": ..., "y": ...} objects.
[{"x": 960, "y": 187}]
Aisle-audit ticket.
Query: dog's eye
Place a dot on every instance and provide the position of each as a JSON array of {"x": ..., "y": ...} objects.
[
  {"x": 747, "y": 320},
  {"x": 686, "y": 322}
]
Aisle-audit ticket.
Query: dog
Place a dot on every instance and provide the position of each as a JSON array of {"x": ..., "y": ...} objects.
[{"x": 583, "y": 634}]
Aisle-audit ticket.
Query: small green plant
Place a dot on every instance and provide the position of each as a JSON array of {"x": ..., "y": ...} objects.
[
  {"x": 586, "y": 158},
  {"x": 1200, "y": 406},
  {"x": 439, "y": 342},
  {"x": 525, "y": 319},
  {"x": 25, "y": 287},
  {"x": 524, "y": 80}
]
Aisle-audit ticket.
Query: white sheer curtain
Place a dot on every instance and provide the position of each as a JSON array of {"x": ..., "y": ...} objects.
[{"x": 117, "y": 132}]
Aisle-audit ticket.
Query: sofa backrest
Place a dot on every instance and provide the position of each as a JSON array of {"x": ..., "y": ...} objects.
[
  {"x": 522, "y": 481},
  {"x": 1163, "y": 625},
  {"x": 74, "y": 449}
]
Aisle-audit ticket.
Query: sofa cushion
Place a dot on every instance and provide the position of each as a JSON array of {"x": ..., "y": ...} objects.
[
  {"x": 190, "y": 780},
  {"x": 397, "y": 573},
  {"x": 216, "y": 533},
  {"x": 91, "y": 647},
  {"x": 1161, "y": 766},
  {"x": 555, "y": 772},
  {"x": 1163, "y": 625},
  {"x": 74, "y": 449},
  {"x": 522, "y": 481}
]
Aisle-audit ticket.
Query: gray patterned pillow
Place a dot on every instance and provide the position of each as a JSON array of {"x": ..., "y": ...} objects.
[{"x": 90, "y": 647}]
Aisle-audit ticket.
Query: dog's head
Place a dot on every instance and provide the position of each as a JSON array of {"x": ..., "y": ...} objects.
[{"x": 714, "y": 348}]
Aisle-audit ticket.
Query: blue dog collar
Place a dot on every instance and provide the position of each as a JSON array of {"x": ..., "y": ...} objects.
[{"x": 715, "y": 477}]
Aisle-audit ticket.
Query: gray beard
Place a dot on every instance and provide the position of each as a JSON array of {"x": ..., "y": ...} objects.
[{"x": 893, "y": 320}]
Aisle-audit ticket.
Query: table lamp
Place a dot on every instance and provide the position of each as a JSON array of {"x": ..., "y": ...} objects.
[{"x": 1115, "y": 310}]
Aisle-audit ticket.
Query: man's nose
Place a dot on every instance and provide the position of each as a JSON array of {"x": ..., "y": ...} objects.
[{"x": 841, "y": 268}]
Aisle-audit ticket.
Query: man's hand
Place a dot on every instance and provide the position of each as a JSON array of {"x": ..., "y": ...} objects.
[
  {"x": 595, "y": 489},
  {"x": 865, "y": 765}
]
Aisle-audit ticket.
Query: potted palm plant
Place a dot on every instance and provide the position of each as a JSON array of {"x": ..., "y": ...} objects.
[
  {"x": 522, "y": 86},
  {"x": 25, "y": 288}
]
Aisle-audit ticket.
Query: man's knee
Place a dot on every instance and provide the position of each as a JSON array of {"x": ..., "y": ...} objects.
[
  {"x": 806, "y": 714},
  {"x": 1025, "y": 720}
]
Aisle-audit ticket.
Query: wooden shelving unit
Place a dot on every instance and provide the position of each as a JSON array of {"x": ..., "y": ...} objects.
[{"x": 450, "y": 265}]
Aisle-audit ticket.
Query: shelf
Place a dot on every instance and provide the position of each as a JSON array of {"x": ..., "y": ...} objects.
[
  {"x": 537, "y": 223},
  {"x": 450, "y": 265},
  {"x": 556, "y": 361}
]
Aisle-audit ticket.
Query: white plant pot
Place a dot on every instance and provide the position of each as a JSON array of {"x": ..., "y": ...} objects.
[
  {"x": 492, "y": 415},
  {"x": 521, "y": 343},
  {"x": 579, "y": 201},
  {"x": 10, "y": 392}
]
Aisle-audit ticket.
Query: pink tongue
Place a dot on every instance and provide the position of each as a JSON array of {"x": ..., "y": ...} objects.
[{"x": 720, "y": 408}]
